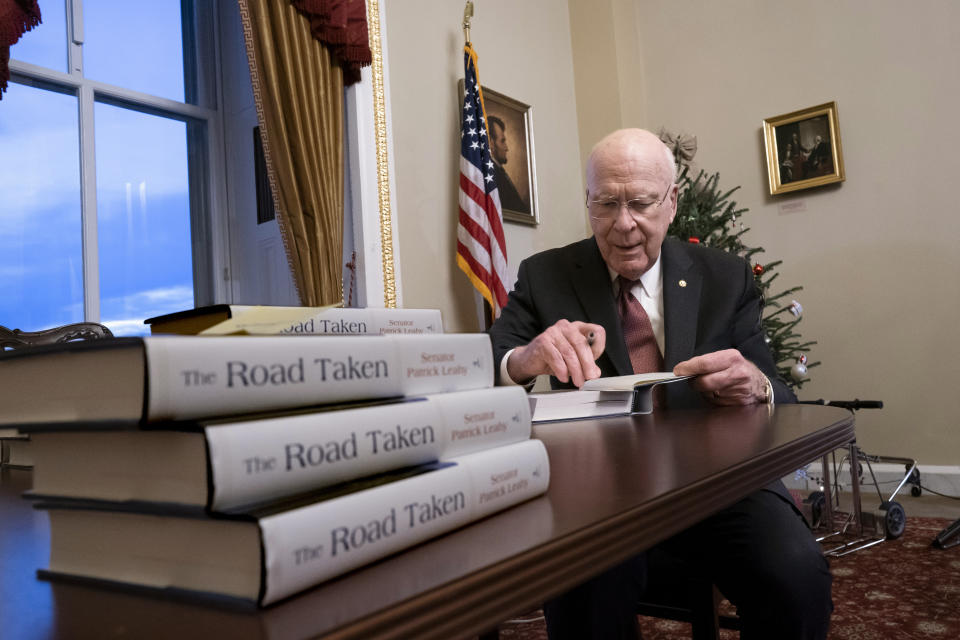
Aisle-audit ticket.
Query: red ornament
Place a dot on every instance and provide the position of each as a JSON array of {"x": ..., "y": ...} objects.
[
  {"x": 693, "y": 240},
  {"x": 758, "y": 269}
]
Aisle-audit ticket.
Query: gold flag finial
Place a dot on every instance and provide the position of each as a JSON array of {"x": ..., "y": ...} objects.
[{"x": 467, "y": 15}]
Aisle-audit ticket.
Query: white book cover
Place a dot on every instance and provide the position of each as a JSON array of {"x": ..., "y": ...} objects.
[
  {"x": 570, "y": 405},
  {"x": 193, "y": 377},
  {"x": 265, "y": 459},
  {"x": 306, "y": 546},
  {"x": 328, "y": 321}
]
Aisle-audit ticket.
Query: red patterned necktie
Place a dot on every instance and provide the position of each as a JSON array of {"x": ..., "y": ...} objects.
[{"x": 637, "y": 331}]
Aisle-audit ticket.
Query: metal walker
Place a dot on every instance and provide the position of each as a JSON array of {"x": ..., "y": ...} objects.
[{"x": 857, "y": 529}]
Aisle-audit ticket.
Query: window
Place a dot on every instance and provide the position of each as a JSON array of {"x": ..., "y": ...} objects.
[{"x": 106, "y": 165}]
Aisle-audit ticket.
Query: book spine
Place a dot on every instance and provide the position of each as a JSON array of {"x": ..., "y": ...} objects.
[
  {"x": 306, "y": 546},
  {"x": 370, "y": 321},
  {"x": 190, "y": 377},
  {"x": 261, "y": 460}
]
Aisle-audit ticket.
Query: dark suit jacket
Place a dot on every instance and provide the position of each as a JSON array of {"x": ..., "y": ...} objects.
[
  {"x": 710, "y": 302},
  {"x": 509, "y": 196}
]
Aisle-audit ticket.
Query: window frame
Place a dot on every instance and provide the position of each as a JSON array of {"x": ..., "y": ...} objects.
[
  {"x": 205, "y": 144},
  {"x": 370, "y": 224}
]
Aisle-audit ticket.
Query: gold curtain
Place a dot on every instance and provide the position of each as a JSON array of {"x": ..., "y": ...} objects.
[{"x": 298, "y": 90}]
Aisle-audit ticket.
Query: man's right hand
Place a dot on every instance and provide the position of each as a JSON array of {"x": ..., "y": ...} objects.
[{"x": 563, "y": 351}]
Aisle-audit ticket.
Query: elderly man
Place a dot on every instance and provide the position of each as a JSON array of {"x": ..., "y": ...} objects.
[
  {"x": 819, "y": 161},
  {"x": 655, "y": 304}
]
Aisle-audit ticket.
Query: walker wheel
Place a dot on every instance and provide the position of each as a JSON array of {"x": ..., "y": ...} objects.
[
  {"x": 895, "y": 519},
  {"x": 816, "y": 500},
  {"x": 914, "y": 480}
]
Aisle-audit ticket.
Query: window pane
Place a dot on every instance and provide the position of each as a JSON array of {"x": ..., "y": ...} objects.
[
  {"x": 41, "y": 271},
  {"x": 143, "y": 217},
  {"x": 136, "y": 45},
  {"x": 46, "y": 43}
]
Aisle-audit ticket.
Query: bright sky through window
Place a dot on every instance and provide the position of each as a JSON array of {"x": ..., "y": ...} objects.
[{"x": 143, "y": 217}]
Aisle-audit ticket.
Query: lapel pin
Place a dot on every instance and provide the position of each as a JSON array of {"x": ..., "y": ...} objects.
[{"x": 682, "y": 283}]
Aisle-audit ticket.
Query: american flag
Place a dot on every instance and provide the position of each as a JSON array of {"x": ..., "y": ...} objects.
[{"x": 481, "y": 249}]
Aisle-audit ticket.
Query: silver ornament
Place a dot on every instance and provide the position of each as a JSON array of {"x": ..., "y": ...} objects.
[{"x": 798, "y": 372}]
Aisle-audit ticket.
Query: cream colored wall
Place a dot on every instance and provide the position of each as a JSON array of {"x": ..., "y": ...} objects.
[
  {"x": 877, "y": 255},
  {"x": 591, "y": 26},
  {"x": 608, "y": 68},
  {"x": 524, "y": 52}
]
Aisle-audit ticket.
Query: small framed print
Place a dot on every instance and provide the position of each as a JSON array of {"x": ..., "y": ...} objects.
[{"x": 803, "y": 149}]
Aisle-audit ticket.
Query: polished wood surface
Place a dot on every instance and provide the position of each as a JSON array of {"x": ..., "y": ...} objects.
[{"x": 618, "y": 486}]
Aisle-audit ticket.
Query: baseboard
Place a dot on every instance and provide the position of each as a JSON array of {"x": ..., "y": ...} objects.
[{"x": 940, "y": 478}]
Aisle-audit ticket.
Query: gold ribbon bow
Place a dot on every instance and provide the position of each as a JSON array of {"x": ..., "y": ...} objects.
[{"x": 683, "y": 146}]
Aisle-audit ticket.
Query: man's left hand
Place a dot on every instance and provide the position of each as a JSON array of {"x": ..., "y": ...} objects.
[{"x": 725, "y": 377}]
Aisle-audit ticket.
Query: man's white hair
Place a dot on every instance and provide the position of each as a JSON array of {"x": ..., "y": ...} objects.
[
  {"x": 672, "y": 162},
  {"x": 669, "y": 160}
]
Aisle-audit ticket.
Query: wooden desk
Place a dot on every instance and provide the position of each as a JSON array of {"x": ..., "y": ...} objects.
[{"x": 618, "y": 486}]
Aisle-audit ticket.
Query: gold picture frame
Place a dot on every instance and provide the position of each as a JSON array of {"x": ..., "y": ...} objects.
[
  {"x": 518, "y": 190},
  {"x": 803, "y": 149}
]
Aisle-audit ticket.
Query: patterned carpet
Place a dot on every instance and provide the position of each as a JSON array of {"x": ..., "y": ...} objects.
[{"x": 898, "y": 590}]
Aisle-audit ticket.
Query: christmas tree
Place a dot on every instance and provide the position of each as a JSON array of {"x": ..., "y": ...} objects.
[{"x": 707, "y": 215}]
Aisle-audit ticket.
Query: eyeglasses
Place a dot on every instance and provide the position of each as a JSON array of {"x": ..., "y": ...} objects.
[{"x": 609, "y": 208}]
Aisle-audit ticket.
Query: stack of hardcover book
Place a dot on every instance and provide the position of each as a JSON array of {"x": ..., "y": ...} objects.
[{"x": 255, "y": 467}]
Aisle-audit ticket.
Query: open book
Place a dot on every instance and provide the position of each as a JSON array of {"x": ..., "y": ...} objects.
[{"x": 610, "y": 396}]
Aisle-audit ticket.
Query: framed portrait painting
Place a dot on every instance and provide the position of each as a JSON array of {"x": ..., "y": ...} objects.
[
  {"x": 510, "y": 135},
  {"x": 803, "y": 149}
]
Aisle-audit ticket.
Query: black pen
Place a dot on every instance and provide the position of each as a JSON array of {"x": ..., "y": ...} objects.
[{"x": 591, "y": 337}]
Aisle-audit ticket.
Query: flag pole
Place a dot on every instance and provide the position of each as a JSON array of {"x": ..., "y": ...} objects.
[
  {"x": 481, "y": 245},
  {"x": 467, "y": 15}
]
